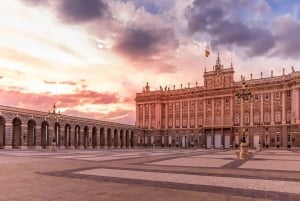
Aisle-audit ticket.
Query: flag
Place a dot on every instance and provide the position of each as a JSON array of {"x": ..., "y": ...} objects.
[{"x": 207, "y": 53}]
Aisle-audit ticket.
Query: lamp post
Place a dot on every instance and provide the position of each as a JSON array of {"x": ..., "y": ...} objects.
[
  {"x": 243, "y": 95},
  {"x": 54, "y": 116}
]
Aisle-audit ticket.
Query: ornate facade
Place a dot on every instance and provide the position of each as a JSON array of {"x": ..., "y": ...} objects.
[
  {"x": 212, "y": 116},
  {"x": 29, "y": 129}
]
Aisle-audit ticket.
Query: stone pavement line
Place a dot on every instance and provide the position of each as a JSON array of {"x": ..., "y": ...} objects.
[{"x": 251, "y": 184}]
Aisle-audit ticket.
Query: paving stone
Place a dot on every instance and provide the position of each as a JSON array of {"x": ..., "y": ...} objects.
[{"x": 42, "y": 175}]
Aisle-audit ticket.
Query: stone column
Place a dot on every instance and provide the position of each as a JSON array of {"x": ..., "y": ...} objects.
[
  {"x": 295, "y": 105},
  {"x": 129, "y": 139},
  {"x": 150, "y": 116},
  {"x": 283, "y": 107},
  {"x": 222, "y": 110},
  {"x": 261, "y": 107},
  {"x": 272, "y": 108},
  {"x": 251, "y": 113},
  {"x": 188, "y": 108},
  {"x": 124, "y": 139},
  {"x": 105, "y": 138},
  {"x": 204, "y": 113},
  {"x": 212, "y": 111},
  {"x": 196, "y": 115},
  {"x": 173, "y": 106},
  {"x": 137, "y": 115},
  {"x": 143, "y": 115},
  {"x": 180, "y": 105},
  {"x": 72, "y": 130},
  {"x": 118, "y": 136}
]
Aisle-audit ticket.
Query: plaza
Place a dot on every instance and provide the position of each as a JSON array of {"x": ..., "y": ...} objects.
[{"x": 149, "y": 174}]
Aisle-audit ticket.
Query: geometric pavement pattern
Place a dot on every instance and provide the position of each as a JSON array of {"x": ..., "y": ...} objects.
[{"x": 214, "y": 174}]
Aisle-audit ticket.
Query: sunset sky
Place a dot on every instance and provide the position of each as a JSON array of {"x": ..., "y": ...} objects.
[{"x": 93, "y": 56}]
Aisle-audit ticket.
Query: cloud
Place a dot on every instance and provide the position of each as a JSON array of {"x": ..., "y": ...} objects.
[
  {"x": 118, "y": 115},
  {"x": 49, "y": 82},
  {"x": 1, "y": 77},
  {"x": 41, "y": 101},
  {"x": 68, "y": 83},
  {"x": 36, "y": 2},
  {"x": 154, "y": 6},
  {"x": 226, "y": 26},
  {"x": 287, "y": 31},
  {"x": 78, "y": 11},
  {"x": 145, "y": 43}
]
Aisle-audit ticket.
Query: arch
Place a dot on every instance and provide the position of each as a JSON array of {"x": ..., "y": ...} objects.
[
  {"x": 57, "y": 138},
  {"x": 122, "y": 138},
  {"x": 86, "y": 137},
  {"x": 116, "y": 140},
  {"x": 77, "y": 136},
  {"x": 67, "y": 136},
  {"x": 45, "y": 134},
  {"x": 102, "y": 141},
  {"x": 2, "y": 132},
  {"x": 132, "y": 139},
  {"x": 31, "y": 133},
  {"x": 94, "y": 137},
  {"x": 109, "y": 138},
  {"x": 17, "y": 133},
  {"x": 127, "y": 139}
]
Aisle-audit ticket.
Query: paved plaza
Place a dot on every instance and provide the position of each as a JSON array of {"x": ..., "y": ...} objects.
[{"x": 149, "y": 174}]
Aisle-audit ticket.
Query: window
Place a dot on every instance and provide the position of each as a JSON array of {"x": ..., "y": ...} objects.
[
  {"x": 277, "y": 116},
  {"x": 267, "y": 96},
  {"x": 267, "y": 117},
  {"x": 289, "y": 138},
  {"x": 246, "y": 118},
  {"x": 288, "y": 93},
  {"x": 278, "y": 138},
  {"x": 236, "y": 119},
  {"x": 277, "y": 95},
  {"x": 256, "y": 97}
]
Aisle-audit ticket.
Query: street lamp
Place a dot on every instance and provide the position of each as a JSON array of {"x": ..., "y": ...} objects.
[
  {"x": 54, "y": 116},
  {"x": 243, "y": 95}
]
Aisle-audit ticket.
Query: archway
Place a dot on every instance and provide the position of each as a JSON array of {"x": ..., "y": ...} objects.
[
  {"x": 102, "y": 137},
  {"x": 109, "y": 138},
  {"x": 67, "y": 138},
  {"x": 86, "y": 137},
  {"x": 132, "y": 139},
  {"x": 77, "y": 136},
  {"x": 122, "y": 139},
  {"x": 94, "y": 137},
  {"x": 127, "y": 139},
  {"x": 17, "y": 133},
  {"x": 116, "y": 140},
  {"x": 31, "y": 134},
  {"x": 57, "y": 137},
  {"x": 44, "y": 134},
  {"x": 2, "y": 132}
]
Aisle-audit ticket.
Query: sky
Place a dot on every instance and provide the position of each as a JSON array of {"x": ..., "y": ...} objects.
[{"x": 91, "y": 57}]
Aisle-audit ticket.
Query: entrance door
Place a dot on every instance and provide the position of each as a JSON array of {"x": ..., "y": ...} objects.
[
  {"x": 255, "y": 141},
  {"x": 218, "y": 141},
  {"x": 208, "y": 141},
  {"x": 227, "y": 141}
]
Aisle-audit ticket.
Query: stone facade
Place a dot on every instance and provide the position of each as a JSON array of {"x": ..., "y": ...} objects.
[
  {"x": 212, "y": 116},
  {"x": 29, "y": 129}
]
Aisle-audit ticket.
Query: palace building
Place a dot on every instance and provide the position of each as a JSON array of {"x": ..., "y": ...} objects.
[{"x": 213, "y": 115}]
